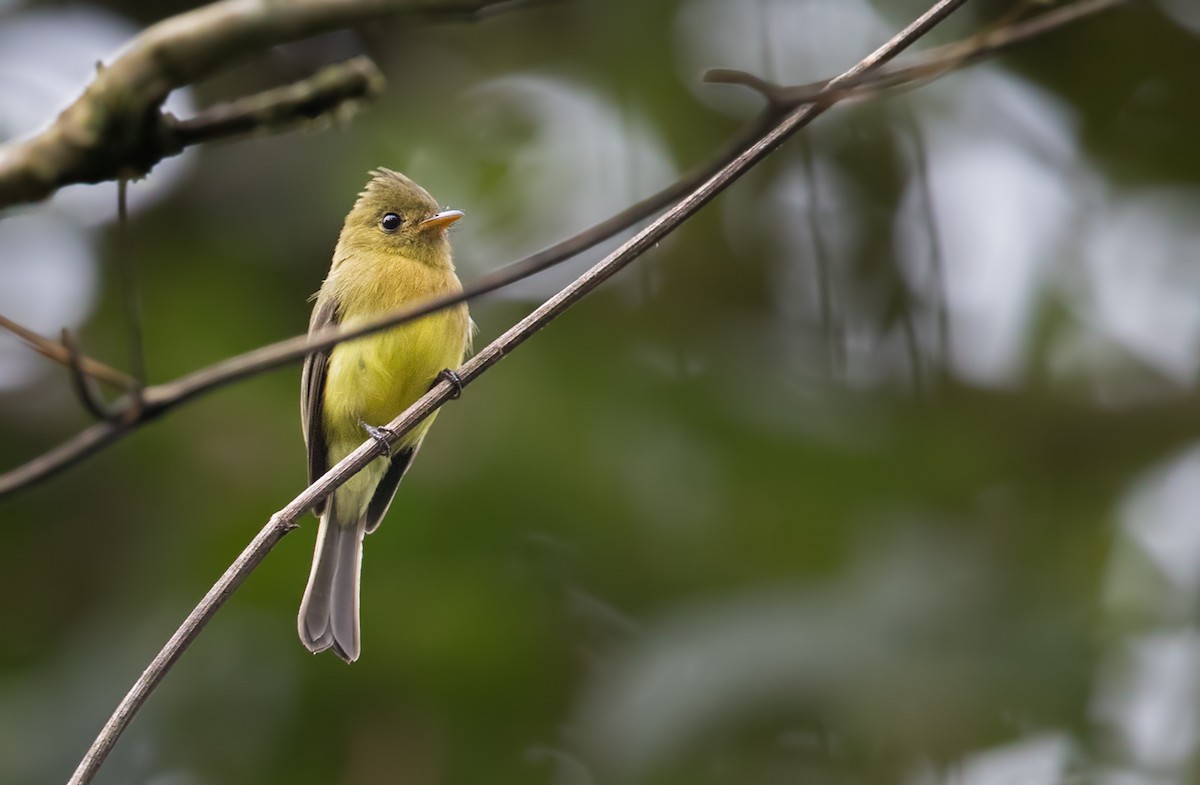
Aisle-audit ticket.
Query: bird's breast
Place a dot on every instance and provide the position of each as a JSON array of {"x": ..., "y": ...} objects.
[{"x": 372, "y": 379}]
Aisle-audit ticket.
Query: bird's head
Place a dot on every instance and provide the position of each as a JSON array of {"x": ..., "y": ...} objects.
[{"x": 394, "y": 214}]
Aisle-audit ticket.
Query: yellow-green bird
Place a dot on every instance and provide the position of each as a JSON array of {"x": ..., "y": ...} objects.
[{"x": 393, "y": 250}]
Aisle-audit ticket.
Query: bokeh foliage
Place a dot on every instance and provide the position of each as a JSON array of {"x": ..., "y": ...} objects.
[{"x": 701, "y": 529}]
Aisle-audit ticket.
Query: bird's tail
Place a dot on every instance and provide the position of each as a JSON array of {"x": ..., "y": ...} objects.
[{"x": 329, "y": 610}]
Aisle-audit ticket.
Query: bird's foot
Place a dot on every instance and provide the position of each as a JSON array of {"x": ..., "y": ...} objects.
[
  {"x": 382, "y": 435},
  {"x": 455, "y": 380}
]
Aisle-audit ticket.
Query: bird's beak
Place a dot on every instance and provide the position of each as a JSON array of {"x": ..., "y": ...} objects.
[{"x": 441, "y": 220}]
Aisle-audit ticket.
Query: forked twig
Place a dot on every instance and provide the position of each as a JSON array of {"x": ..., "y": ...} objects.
[
  {"x": 934, "y": 63},
  {"x": 59, "y": 354}
]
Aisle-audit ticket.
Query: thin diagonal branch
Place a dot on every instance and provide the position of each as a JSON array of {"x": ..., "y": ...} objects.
[
  {"x": 59, "y": 354},
  {"x": 161, "y": 398},
  {"x": 285, "y": 520},
  {"x": 117, "y": 127}
]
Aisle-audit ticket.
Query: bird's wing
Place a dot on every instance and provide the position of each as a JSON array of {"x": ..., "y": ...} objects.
[
  {"x": 385, "y": 491},
  {"x": 312, "y": 396}
]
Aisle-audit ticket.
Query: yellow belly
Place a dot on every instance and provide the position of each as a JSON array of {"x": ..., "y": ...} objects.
[{"x": 373, "y": 379}]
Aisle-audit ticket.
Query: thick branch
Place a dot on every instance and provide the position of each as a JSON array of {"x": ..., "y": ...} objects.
[
  {"x": 158, "y": 399},
  {"x": 117, "y": 129},
  {"x": 285, "y": 520}
]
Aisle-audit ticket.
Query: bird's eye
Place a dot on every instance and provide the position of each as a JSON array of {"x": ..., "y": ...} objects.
[{"x": 390, "y": 222}]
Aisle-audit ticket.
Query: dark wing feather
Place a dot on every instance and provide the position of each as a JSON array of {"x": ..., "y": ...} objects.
[
  {"x": 385, "y": 491},
  {"x": 312, "y": 396}
]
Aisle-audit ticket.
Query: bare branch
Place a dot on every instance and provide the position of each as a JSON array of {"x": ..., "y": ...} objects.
[
  {"x": 57, "y": 352},
  {"x": 285, "y": 520},
  {"x": 773, "y": 93},
  {"x": 84, "y": 386},
  {"x": 933, "y": 64},
  {"x": 117, "y": 129},
  {"x": 242, "y": 566},
  {"x": 333, "y": 89},
  {"x": 158, "y": 399}
]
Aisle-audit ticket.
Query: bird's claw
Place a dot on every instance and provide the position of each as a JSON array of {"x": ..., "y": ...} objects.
[
  {"x": 381, "y": 434},
  {"x": 456, "y": 382}
]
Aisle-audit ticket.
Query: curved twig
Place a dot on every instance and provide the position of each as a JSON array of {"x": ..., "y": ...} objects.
[
  {"x": 82, "y": 383},
  {"x": 55, "y": 351},
  {"x": 932, "y": 64}
]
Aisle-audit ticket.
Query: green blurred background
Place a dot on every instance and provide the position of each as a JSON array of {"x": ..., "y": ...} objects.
[{"x": 882, "y": 468}]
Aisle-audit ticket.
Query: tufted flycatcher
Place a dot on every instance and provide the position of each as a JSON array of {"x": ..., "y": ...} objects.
[{"x": 393, "y": 250}]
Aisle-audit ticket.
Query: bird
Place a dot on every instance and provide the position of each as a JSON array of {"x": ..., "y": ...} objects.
[{"x": 393, "y": 250}]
